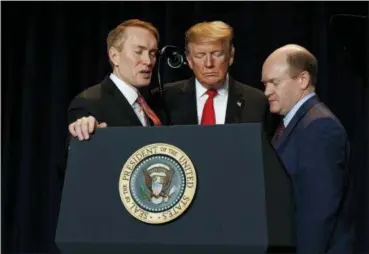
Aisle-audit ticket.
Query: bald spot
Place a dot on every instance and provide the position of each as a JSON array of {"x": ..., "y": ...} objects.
[{"x": 292, "y": 58}]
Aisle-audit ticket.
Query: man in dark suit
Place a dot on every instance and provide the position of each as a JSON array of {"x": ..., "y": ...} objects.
[
  {"x": 118, "y": 99},
  {"x": 212, "y": 96},
  {"x": 314, "y": 149}
]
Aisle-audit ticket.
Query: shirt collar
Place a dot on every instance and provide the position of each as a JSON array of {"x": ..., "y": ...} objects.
[
  {"x": 130, "y": 92},
  {"x": 295, "y": 108},
  {"x": 201, "y": 90}
]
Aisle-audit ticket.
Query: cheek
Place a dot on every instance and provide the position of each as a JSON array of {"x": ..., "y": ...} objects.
[
  {"x": 222, "y": 66},
  {"x": 197, "y": 66},
  {"x": 284, "y": 97}
]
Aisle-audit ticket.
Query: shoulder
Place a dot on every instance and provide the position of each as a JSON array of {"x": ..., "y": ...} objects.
[
  {"x": 176, "y": 85},
  {"x": 321, "y": 115},
  {"x": 92, "y": 92},
  {"x": 172, "y": 87},
  {"x": 88, "y": 96},
  {"x": 321, "y": 126},
  {"x": 249, "y": 90},
  {"x": 251, "y": 94}
]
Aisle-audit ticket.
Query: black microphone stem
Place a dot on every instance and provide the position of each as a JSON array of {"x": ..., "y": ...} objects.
[{"x": 162, "y": 101}]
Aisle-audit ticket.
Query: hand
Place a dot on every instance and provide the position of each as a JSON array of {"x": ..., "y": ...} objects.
[{"x": 84, "y": 126}]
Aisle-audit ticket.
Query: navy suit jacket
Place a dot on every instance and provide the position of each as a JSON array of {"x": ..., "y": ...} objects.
[{"x": 314, "y": 149}]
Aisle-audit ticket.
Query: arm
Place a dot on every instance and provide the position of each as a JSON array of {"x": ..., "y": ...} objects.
[
  {"x": 78, "y": 108},
  {"x": 320, "y": 184},
  {"x": 82, "y": 118}
]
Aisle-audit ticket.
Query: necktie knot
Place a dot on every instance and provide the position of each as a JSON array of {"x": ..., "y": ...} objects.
[
  {"x": 212, "y": 93},
  {"x": 140, "y": 100}
]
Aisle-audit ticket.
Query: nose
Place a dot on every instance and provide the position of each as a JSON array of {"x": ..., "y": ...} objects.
[
  {"x": 147, "y": 59},
  {"x": 268, "y": 90},
  {"x": 209, "y": 62}
]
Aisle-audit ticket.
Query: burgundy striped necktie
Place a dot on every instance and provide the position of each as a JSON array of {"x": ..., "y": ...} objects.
[{"x": 279, "y": 131}]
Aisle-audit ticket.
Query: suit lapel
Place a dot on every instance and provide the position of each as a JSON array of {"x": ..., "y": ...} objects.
[
  {"x": 295, "y": 119},
  {"x": 189, "y": 103},
  {"x": 125, "y": 112},
  {"x": 235, "y": 103}
]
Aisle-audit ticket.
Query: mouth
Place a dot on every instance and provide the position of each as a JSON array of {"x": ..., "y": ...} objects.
[
  {"x": 210, "y": 74},
  {"x": 146, "y": 73}
]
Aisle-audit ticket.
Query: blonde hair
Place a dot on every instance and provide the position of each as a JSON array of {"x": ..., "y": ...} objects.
[
  {"x": 116, "y": 36},
  {"x": 213, "y": 31}
]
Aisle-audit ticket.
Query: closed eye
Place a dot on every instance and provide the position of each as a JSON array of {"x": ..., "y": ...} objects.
[{"x": 199, "y": 55}]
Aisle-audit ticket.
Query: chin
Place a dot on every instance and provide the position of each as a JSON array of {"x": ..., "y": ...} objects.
[
  {"x": 143, "y": 83},
  {"x": 274, "y": 110},
  {"x": 211, "y": 82}
]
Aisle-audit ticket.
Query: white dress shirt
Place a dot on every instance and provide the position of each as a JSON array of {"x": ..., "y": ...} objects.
[
  {"x": 220, "y": 102},
  {"x": 131, "y": 94}
]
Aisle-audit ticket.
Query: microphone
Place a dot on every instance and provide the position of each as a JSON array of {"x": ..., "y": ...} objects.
[{"x": 175, "y": 59}]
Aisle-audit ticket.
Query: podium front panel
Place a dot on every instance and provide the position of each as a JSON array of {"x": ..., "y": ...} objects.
[{"x": 227, "y": 214}]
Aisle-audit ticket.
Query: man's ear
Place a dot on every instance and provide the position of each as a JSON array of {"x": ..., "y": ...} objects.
[
  {"x": 114, "y": 56},
  {"x": 304, "y": 80},
  {"x": 231, "y": 56}
]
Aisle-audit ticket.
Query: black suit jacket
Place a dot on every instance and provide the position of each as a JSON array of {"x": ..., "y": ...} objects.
[
  {"x": 106, "y": 103},
  {"x": 245, "y": 105}
]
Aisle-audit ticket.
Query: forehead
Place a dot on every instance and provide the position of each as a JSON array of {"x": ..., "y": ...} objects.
[
  {"x": 204, "y": 45},
  {"x": 275, "y": 68},
  {"x": 140, "y": 36}
]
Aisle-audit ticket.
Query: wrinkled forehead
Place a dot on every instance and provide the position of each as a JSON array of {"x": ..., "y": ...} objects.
[
  {"x": 207, "y": 45},
  {"x": 139, "y": 36}
]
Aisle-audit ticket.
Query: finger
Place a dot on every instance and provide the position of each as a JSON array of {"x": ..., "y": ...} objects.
[
  {"x": 102, "y": 125},
  {"x": 78, "y": 129},
  {"x": 91, "y": 123},
  {"x": 85, "y": 128},
  {"x": 72, "y": 130}
]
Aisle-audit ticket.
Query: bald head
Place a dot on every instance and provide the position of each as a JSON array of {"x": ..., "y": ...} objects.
[
  {"x": 288, "y": 74},
  {"x": 298, "y": 59}
]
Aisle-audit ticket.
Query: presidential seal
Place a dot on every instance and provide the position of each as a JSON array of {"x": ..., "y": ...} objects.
[{"x": 157, "y": 183}]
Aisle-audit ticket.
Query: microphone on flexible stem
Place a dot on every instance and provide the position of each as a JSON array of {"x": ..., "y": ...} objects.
[{"x": 175, "y": 60}]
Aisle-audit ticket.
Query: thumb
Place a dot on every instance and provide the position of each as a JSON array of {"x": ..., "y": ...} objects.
[{"x": 102, "y": 125}]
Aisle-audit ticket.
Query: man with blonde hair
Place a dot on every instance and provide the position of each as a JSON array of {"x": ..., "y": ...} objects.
[
  {"x": 212, "y": 96},
  {"x": 132, "y": 48}
]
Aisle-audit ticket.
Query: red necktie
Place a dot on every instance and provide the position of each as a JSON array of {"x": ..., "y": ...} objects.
[
  {"x": 208, "y": 113},
  {"x": 279, "y": 131},
  {"x": 148, "y": 111}
]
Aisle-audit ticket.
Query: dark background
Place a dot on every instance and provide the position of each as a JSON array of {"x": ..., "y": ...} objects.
[{"x": 52, "y": 50}]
